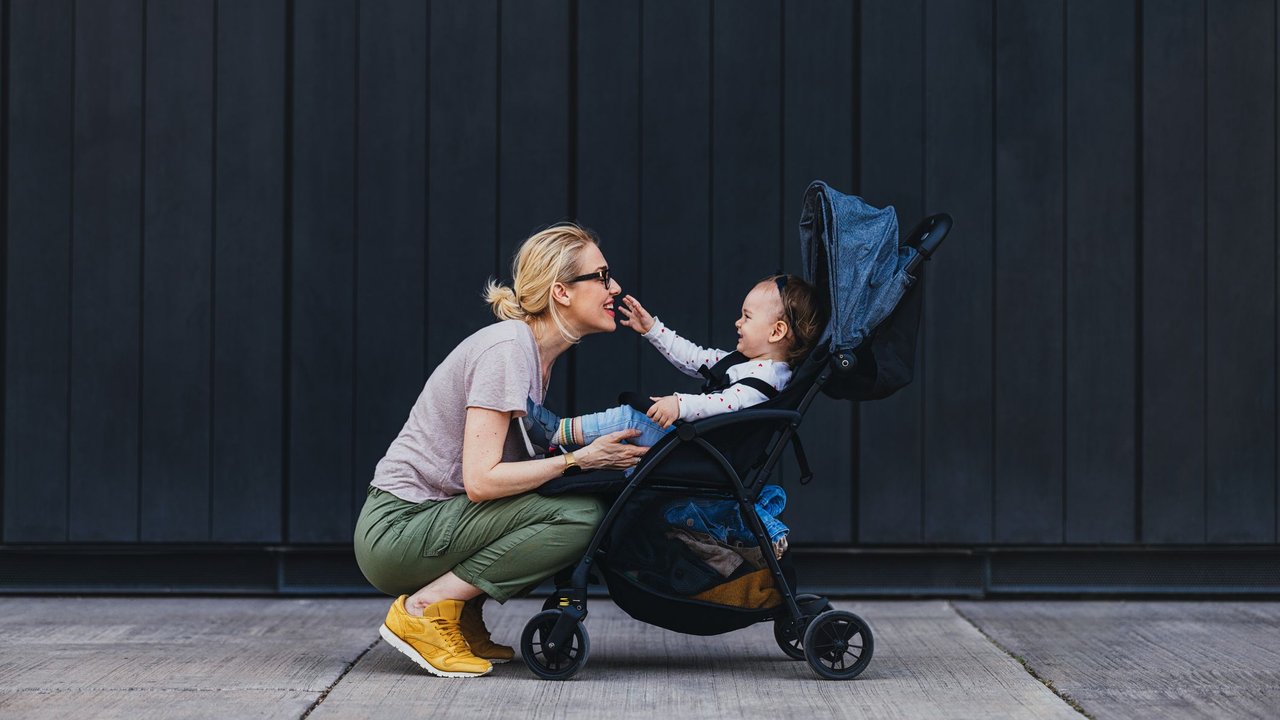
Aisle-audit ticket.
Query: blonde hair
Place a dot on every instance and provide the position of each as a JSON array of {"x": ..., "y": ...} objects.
[{"x": 547, "y": 257}]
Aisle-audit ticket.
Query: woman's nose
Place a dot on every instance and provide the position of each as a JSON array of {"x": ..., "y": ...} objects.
[{"x": 615, "y": 288}]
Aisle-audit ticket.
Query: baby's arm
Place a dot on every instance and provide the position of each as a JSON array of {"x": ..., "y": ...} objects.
[
  {"x": 685, "y": 355},
  {"x": 736, "y": 397}
]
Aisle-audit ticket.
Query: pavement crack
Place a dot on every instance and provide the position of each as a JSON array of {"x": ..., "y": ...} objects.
[
  {"x": 1062, "y": 694},
  {"x": 338, "y": 679}
]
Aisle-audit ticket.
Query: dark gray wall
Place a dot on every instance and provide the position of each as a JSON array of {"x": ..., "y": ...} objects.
[{"x": 239, "y": 234}]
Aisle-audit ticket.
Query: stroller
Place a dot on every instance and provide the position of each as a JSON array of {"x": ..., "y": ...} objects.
[{"x": 726, "y": 459}]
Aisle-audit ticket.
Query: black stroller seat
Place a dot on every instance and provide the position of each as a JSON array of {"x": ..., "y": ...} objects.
[{"x": 728, "y": 458}]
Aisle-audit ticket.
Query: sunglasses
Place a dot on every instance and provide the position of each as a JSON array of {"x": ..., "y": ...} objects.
[{"x": 602, "y": 275}]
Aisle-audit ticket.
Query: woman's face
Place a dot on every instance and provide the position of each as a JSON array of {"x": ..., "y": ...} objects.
[{"x": 591, "y": 301}]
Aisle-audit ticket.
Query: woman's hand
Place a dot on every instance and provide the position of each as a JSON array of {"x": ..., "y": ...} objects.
[
  {"x": 665, "y": 410},
  {"x": 636, "y": 317},
  {"x": 609, "y": 452},
  {"x": 485, "y": 476}
]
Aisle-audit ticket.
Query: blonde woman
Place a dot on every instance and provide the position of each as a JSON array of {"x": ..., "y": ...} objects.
[{"x": 451, "y": 517}]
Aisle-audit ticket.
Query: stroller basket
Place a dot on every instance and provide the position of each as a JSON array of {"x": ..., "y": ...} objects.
[{"x": 662, "y": 575}]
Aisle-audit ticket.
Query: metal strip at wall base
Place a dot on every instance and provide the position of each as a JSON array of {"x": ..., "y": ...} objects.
[{"x": 862, "y": 572}]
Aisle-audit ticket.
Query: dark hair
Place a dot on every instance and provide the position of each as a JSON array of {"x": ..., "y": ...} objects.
[{"x": 802, "y": 311}]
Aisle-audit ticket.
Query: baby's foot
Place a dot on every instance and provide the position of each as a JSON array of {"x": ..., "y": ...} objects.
[{"x": 540, "y": 423}]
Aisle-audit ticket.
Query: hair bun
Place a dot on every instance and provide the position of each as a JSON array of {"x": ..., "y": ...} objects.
[{"x": 502, "y": 300}]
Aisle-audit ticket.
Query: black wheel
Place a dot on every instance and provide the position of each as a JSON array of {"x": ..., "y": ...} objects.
[
  {"x": 553, "y": 663},
  {"x": 838, "y": 645},
  {"x": 788, "y": 634}
]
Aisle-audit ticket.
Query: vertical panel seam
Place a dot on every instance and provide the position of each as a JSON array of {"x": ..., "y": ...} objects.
[
  {"x": 1138, "y": 272},
  {"x": 497, "y": 154},
  {"x": 571, "y": 189},
  {"x": 213, "y": 271},
  {"x": 426, "y": 197},
  {"x": 855, "y": 409},
  {"x": 286, "y": 366},
  {"x": 995, "y": 287},
  {"x": 1204, "y": 271},
  {"x": 4, "y": 253},
  {"x": 924, "y": 305},
  {"x": 71, "y": 267},
  {"x": 640, "y": 163},
  {"x": 855, "y": 96},
  {"x": 711, "y": 164},
  {"x": 782, "y": 131},
  {"x": 142, "y": 282},
  {"x": 1066, "y": 309},
  {"x": 571, "y": 183},
  {"x": 354, "y": 393},
  {"x": 1275, "y": 298}
]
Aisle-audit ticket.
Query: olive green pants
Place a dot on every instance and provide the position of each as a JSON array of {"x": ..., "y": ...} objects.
[{"x": 501, "y": 546}]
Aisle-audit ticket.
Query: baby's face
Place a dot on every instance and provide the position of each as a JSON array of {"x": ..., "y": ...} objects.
[{"x": 761, "y": 310}]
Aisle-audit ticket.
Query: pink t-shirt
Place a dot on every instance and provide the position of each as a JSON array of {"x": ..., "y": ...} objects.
[{"x": 496, "y": 368}]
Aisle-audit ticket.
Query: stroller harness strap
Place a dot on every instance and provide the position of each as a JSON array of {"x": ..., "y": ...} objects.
[
  {"x": 716, "y": 377},
  {"x": 717, "y": 380}
]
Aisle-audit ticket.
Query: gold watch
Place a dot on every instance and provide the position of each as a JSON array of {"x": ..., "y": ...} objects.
[{"x": 571, "y": 465}]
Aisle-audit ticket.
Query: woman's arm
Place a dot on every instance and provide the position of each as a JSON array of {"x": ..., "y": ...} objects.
[{"x": 487, "y": 477}]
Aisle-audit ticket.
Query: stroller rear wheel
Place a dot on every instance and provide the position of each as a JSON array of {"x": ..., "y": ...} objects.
[
  {"x": 788, "y": 633},
  {"x": 553, "y": 663},
  {"x": 838, "y": 645}
]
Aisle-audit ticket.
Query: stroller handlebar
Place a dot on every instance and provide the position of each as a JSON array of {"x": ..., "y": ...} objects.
[{"x": 929, "y": 234}]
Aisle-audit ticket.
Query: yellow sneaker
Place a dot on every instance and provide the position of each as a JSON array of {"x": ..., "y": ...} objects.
[
  {"x": 433, "y": 640},
  {"x": 477, "y": 635}
]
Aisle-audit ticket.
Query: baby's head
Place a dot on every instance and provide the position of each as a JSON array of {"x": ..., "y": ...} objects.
[{"x": 781, "y": 319}]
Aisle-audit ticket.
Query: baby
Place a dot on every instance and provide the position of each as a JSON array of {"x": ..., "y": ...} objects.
[{"x": 780, "y": 321}]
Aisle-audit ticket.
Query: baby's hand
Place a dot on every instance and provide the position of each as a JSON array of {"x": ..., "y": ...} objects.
[
  {"x": 665, "y": 410},
  {"x": 635, "y": 316}
]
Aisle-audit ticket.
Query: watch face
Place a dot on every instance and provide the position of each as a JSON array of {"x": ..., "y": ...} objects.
[{"x": 570, "y": 465}]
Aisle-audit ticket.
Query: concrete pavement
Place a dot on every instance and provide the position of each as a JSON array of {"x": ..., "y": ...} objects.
[{"x": 322, "y": 658}]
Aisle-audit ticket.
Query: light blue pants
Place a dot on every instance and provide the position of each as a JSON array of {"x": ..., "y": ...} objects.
[{"x": 602, "y": 423}]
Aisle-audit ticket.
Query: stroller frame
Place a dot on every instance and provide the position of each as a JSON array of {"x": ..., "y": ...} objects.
[{"x": 555, "y": 644}]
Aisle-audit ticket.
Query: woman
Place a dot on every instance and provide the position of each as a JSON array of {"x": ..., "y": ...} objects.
[{"x": 451, "y": 517}]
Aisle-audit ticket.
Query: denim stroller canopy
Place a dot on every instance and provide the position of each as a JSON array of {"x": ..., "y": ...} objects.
[
  {"x": 850, "y": 252},
  {"x": 851, "y": 248}
]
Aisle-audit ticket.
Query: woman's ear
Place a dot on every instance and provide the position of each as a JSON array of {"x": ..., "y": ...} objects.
[{"x": 560, "y": 293}]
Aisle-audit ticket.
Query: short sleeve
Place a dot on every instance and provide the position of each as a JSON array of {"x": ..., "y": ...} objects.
[{"x": 500, "y": 379}]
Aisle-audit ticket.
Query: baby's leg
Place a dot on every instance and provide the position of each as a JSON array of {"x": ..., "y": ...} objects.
[{"x": 583, "y": 430}]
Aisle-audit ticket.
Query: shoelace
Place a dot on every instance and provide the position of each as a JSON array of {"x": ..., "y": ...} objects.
[{"x": 452, "y": 635}]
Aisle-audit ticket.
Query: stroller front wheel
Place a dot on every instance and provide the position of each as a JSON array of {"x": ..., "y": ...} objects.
[
  {"x": 838, "y": 645},
  {"x": 545, "y": 660},
  {"x": 788, "y": 633}
]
